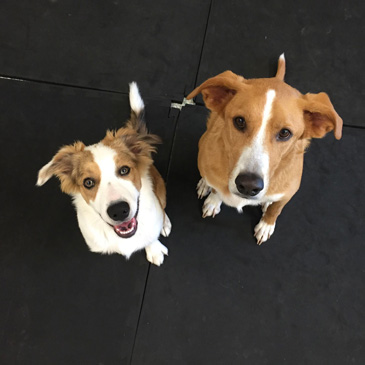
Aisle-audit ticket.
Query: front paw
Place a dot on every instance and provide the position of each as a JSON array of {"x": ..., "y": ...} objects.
[
  {"x": 212, "y": 205},
  {"x": 166, "y": 229},
  {"x": 203, "y": 188},
  {"x": 155, "y": 253},
  {"x": 263, "y": 231}
]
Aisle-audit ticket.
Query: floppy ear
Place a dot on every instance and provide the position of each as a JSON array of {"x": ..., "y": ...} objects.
[
  {"x": 219, "y": 90},
  {"x": 320, "y": 117},
  {"x": 62, "y": 165}
]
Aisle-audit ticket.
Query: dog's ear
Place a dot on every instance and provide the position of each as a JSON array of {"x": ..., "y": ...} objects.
[
  {"x": 141, "y": 144},
  {"x": 62, "y": 165},
  {"x": 138, "y": 143},
  {"x": 320, "y": 117},
  {"x": 219, "y": 90}
]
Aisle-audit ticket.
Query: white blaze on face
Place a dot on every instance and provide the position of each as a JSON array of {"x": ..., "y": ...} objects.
[
  {"x": 112, "y": 188},
  {"x": 254, "y": 158}
]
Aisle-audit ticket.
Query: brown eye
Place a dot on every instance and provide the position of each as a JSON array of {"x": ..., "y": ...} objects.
[
  {"x": 239, "y": 123},
  {"x": 124, "y": 170},
  {"x": 284, "y": 135},
  {"x": 89, "y": 183}
]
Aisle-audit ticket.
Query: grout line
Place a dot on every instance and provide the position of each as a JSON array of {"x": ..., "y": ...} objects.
[
  {"x": 52, "y": 83},
  {"x": 140, "y": 314},
  {"x": 202, "y": 46},
  {"x": 353, "y": 126},
  {"x": 172, "y": 148}
]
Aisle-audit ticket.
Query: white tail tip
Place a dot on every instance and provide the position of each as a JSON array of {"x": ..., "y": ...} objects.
[
  {"x": 135, "y": 98},
  {"x": 282, "y": 57}
]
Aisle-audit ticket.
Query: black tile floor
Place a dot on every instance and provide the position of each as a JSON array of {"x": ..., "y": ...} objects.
[{"x": 218, "y": 298}]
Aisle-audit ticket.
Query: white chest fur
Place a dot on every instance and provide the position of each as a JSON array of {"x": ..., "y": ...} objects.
[
  {"x": 234, "y": 200},
  {"x": 238, "y": 202}
]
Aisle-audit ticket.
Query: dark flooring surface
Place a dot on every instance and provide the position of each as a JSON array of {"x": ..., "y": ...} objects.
[
  {"x": 218, "y": 298},
  {"x": 104, "y": 44}
]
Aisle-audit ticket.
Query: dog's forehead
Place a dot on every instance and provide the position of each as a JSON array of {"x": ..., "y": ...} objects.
[
  {"x": 258, "y": 88},
  {"x": 109, "y": 159},
  {"x": 101, "y": 153},
  {"x": 103, "y": 157},
  {"x": 115, "y": 143},
  {"x": 253, "y": 95}
]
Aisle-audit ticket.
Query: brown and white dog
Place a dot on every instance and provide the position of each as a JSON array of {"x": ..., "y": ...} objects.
[
  {"x": 257, "y": 132},
  {"x": 118, "y": 193}
]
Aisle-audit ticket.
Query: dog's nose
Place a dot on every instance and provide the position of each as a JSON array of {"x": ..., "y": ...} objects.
[
  {"x": 118, "y": 211},
  {"x": 249, "y": 184}
]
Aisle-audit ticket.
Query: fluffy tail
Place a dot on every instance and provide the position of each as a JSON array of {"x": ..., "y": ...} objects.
[{"x": 137, "y": 109}]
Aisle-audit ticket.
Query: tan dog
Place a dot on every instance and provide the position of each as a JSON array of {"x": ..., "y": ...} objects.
[{"x": 257, "y": 133}]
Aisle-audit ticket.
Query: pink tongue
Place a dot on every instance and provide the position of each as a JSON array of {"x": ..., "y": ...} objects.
[{"x": 126, "y": 228}]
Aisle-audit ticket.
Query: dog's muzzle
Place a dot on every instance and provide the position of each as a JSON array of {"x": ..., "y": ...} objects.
[{"x": 120, "y": 212}]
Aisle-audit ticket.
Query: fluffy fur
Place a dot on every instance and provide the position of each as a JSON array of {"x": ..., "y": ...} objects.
[{"x": 119, "y": 195}]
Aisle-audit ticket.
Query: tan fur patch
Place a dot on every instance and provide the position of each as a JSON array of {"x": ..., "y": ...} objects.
[
  {"x": 72, "y": 165},
  {"x": 80, "y": 165},
  {"x": 123, "y": 158},
  {"x": 87, "y": 168},
  {"x": 158, "y": 186}
]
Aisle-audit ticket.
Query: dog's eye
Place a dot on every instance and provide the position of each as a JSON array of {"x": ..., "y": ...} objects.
[
  {"x": 89, "y": 183},
  {"x": 284, "y": 135},
  {"x": 239, "y": 123},
  {"x": 124, "y": 170}
]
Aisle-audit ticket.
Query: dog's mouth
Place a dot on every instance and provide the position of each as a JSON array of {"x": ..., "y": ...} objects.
[
  {"x": 127, "y": 229},
  {"x": 244, "y": 196}
]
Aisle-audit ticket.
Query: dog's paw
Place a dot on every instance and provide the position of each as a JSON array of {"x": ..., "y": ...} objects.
[
  {"x": 212, "y": 205},
  {"x": 166, "y": 229},
  {"x": 203, "y": 189},
  {"x": 155, "y": 253},
  {"x": 263, "y": 231}
]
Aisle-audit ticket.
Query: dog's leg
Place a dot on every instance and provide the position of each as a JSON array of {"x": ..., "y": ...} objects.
[
  {"x": 155, "y": 253},
  {"x": 212, "y": 205},
  {"x": 203, "y": 188},
  {"x": 166, "y": 228},
  {"x": 265, "y": 228},
  {"x": 265, "y": 206}
]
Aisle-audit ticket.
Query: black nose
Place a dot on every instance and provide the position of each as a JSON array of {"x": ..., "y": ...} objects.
[
  {"x": 249, "y": 184},
  {"x": 118, "y": 211}
]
